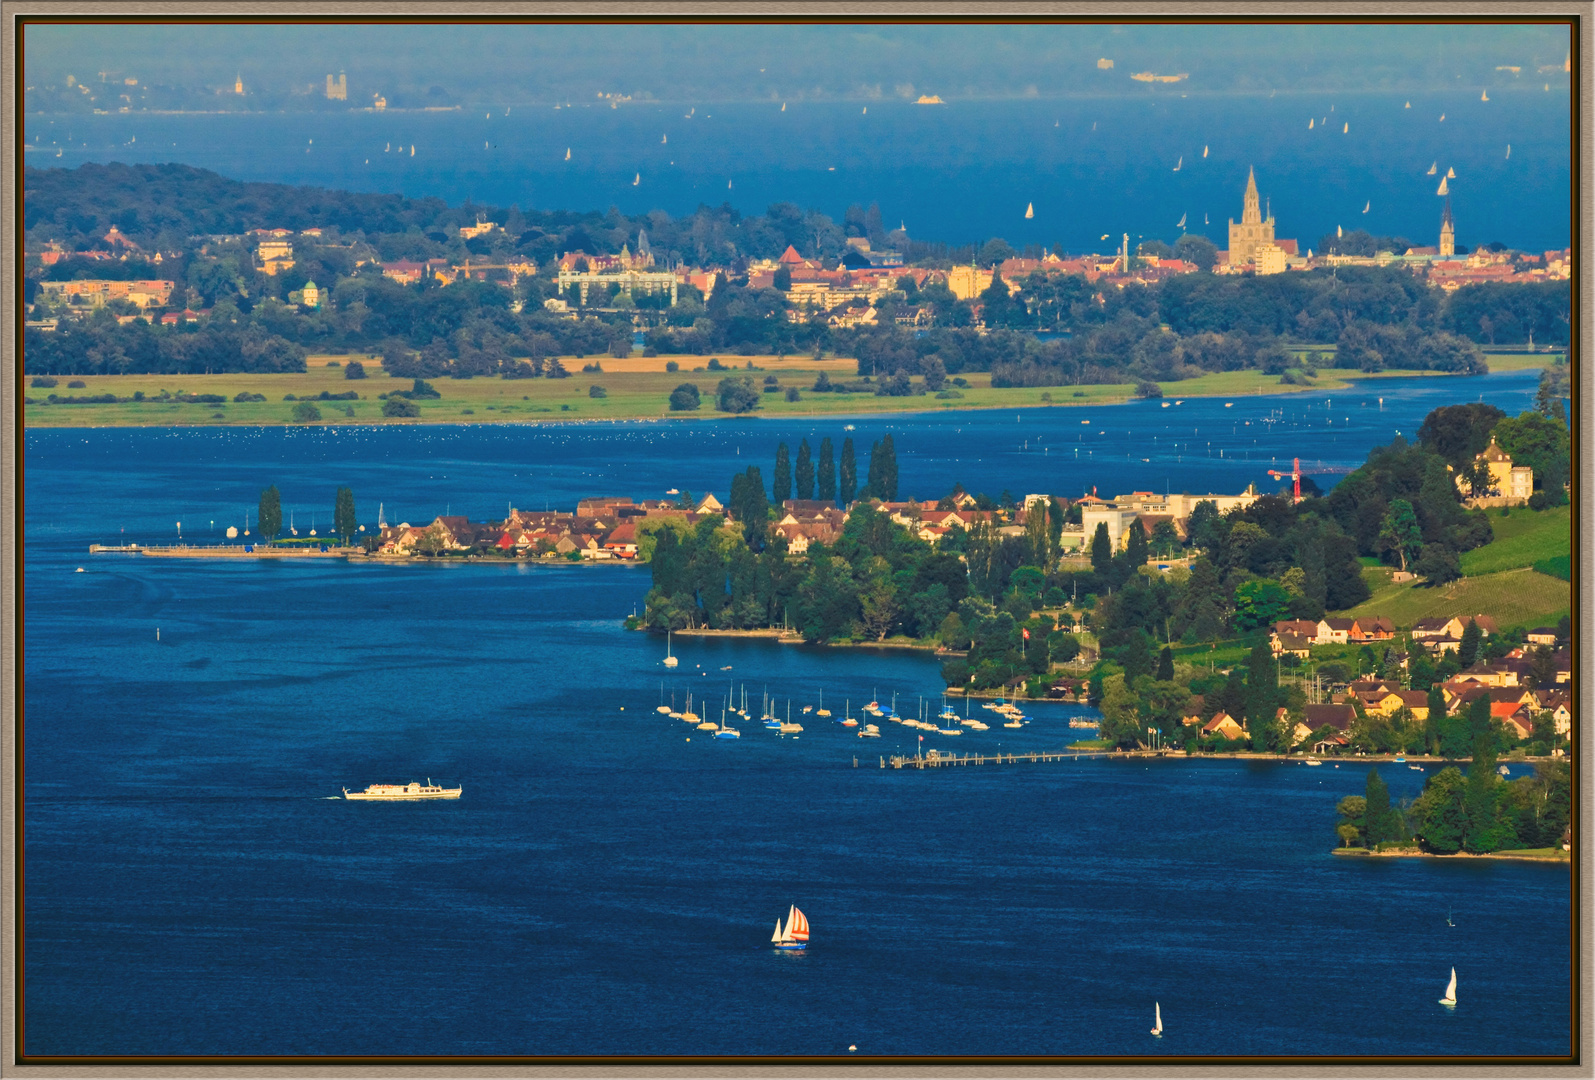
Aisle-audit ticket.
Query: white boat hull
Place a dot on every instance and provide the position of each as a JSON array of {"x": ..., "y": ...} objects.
[{"x": 402, "y": 793}]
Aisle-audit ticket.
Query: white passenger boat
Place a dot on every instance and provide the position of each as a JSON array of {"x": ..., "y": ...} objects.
[{"x": 404, "y": 792}]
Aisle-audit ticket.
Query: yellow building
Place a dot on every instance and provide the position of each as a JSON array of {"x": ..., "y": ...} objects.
[
  {"x": 968, "y": 282},
  {"x": 1253, "y": 229},
  {"x": 1268, "y": 259},
  {"x": 1506, "y": 480}
]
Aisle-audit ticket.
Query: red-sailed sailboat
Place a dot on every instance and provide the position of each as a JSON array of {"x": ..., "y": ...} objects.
[{"x": 796, "y": 935}]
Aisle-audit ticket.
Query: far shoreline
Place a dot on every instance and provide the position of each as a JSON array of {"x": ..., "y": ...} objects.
[{"x": 1105, "y": 394}]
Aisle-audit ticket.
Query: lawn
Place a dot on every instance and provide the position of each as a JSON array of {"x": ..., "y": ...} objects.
[
  {"x": 1520, "y": 597},
  {"x": 1522, "y": 539},
  {"x": 636, "y": 387}
]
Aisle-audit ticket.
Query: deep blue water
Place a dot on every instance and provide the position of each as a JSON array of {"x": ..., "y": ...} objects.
[
  {"x": 959, "y": 173},
  {"x": 608, "y": 882}
]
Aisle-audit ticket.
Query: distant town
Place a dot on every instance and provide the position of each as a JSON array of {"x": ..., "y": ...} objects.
[{"x": 859, "y": 288}]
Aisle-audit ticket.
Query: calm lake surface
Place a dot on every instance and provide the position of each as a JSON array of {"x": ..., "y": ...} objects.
[
  {"x": 609, "y": 880},
  {"x": 960, "y": 173}
]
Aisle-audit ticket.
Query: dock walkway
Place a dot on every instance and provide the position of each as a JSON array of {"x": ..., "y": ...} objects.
[{"x": 224, "y": 551}]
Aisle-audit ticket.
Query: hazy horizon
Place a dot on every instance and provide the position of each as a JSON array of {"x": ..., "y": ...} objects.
[{"x": 512, "y": 64}]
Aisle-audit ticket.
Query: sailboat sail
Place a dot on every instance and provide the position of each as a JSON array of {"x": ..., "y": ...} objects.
[
  {"x": 1157, "y": 1012},
  {"x": 797, "y": 925},
  {"x": 1450, "y": 990},
  {"x": 1309, "y": 123},
  {"x": 1451, "y": 172},
  {"x": 1204, "y": 151},
  {"x": 1443, "y": 189},
  {"x": 1030, "y": 210},
  {"x": 1432, "y": 168},
  {"x": 775, "y": 938},
  {"x": 1181, "y": 224}
]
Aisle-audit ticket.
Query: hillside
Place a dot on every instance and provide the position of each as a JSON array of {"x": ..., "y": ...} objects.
[
  {"x": 1522, "y": 539},
  {"x": 1518, "y": 597}
]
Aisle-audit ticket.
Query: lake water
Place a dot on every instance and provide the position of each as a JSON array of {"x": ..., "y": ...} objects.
[
  {"x": 959, "y": 173},
  {"x": 609, "y": 880}
]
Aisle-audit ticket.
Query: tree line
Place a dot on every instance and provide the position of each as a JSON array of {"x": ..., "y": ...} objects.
[{"x": 1479, "y": 811}]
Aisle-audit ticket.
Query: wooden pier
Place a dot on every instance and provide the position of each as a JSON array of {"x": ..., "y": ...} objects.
[
  {"x": 1033, "y": 757},
  {"x": 225, "y": 551}
]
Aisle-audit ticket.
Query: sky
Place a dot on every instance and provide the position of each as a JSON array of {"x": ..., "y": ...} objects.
[{"x": 531, "y": 63}]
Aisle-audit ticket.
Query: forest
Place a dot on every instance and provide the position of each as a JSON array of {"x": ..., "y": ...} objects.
[{"x": 1287, "y": 325}]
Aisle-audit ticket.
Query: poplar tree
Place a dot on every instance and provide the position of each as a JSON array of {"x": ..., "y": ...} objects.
[
  {"x": 1262, "y": 696},
  {"x": 1165, "y": 665},
  {"x": 888, "y": 470},
  {"x": 781, "y": 482},
  {"x": 1468, "y": 648},
  {"x": 269, "y": 515},
  {"x": 343, "y": 516},
  {"x": 1101, "y": 550},
  {"x": 805, "y": 471},
  {"x": 1378, "y": 824},
  {"x": 849, "y": 471},
  {"x": 825, "y": 481}
]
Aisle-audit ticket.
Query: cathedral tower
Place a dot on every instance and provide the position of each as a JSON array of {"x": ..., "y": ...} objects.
[
  {"x": 1254, "y": 228},
  {"x": 1448, "y": 231}
]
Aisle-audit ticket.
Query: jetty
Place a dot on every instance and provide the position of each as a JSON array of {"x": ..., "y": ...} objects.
[
  {"x": 226, "y": 551},
  {"x": 1033, "y": 757}
]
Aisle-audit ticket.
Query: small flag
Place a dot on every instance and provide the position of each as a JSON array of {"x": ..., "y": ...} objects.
[
  {"x": 922, "y": 738},
  {"x": 1026, "y": 632}
]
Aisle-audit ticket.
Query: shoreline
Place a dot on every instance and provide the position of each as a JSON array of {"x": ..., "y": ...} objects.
[
  {"x": 1505, "y": 856},
  {"x": 1109, "y": 394}
]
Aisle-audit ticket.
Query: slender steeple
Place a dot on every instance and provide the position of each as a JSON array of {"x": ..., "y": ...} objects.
[
  {"x": 1252, "y": 213},
  {"x": 1448, "y": 230}
]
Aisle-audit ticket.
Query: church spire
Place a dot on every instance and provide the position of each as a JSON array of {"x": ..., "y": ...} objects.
[
  {"x": 1251, "y": 213},
  {"x": 1448, "y": 230}
]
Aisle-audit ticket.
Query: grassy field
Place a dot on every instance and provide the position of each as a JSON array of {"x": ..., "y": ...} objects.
[
  {"x": 1520, "y": 597},
  {"x": 1523, "y": 539},
  {"x": 636, "y": 388}
]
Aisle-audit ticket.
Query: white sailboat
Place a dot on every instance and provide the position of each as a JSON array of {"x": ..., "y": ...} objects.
[
  {"x": 1204, "y": 151},
  {"x": 1442, "y": 189},
  {"x": 1442, "y": 118},
  {"x": 412, "y": 149},
  {"x": 567, "y": 153},
  {"x": 1408, "y": 105},
  {"x": 1432, "y": 169},
  {"x": 1181, "y": 224},
  {"x": 1450, "y": 998},
  {"x": 1157, "y": 1013},
  {"x": 728, "y": 185},
  {"x": 669, "y": 661},
  {"x": 636, "y": 180},
  {"x": 1450, "y": 172},
  {"x": 1367, "y": 205},
  {"x": 1310, "y": 123},
  {"x": 663, "y": 139},
  {"x": 1178, "y": 163},
  {"x": 1345, "y": 128},
  {"x": 1030, "y": 211},
  {"x": 1484, "y": 96},
  {"x": 783, "y": 106},
  {"x": 1508, "y": 150}
]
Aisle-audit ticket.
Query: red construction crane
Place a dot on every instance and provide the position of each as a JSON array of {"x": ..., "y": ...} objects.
[{"x": 1297, "y": 472}]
